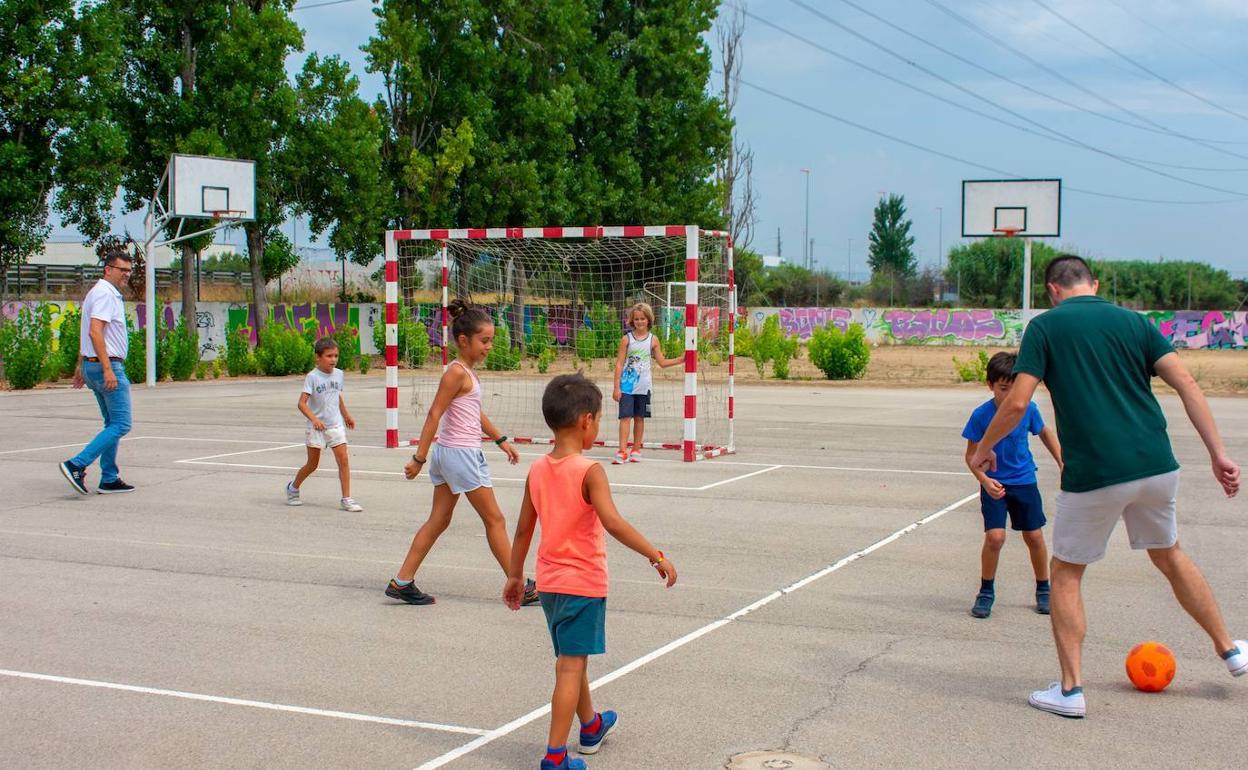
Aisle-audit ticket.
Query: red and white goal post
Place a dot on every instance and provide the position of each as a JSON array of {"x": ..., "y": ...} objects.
[{"x": 559, "y": 297}]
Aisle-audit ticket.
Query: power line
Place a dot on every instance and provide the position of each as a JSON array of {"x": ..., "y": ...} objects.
[
  {"x": 1017, "y": 84},
  {"x": 1020, "y": 116},
  {"x": 1178, "y": 41},
  {"x": 1051, "y": 136},
  {"x": 1140, "y": 66},
  {"x": 974, "y": 164},
  {"x": 1156, "y": 127}
]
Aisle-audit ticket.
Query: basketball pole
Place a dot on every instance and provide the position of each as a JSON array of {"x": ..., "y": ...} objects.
[{"x": 1026, "y": 282}]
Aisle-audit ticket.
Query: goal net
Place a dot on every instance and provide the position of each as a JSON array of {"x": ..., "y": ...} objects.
[{"x": 560, "y": 299}]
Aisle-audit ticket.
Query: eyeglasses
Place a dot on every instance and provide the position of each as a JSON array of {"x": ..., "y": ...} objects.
[{"x": 126, "y": 270}]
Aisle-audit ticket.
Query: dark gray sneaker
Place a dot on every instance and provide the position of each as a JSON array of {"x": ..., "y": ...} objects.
[
  {"x": 408, "y": 593},
  {"x": 115, "y": 487},
  {"x": 77, "y": 477},
  {"x": 983, "y": 605},
  {"x": 1042, "y": 601}
]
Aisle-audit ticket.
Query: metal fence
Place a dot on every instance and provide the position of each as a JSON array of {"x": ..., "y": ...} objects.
[{"x": 58, "y": 280}]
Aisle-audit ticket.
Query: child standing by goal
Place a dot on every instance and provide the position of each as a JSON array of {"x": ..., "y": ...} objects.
[
  {"x": 328, "y": 420},
  {"x": 633, "y": 383},
  {"x": 569, "y": 494},
  {"x": 456, "y": 463},
  {"x": 1011, "y": 488}
]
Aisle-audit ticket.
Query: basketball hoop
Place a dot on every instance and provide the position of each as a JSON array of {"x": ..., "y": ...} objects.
[
  {"x": 1007, "y": 232},
  {"x": 227, "y": 215}
]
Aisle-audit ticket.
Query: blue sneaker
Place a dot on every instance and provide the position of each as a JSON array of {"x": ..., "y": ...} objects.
[
  {"x": 568, "y": 764},
  {"x": 983, "y": 605},
  {"x": 1042, "y": 601},
  {"x": 592, "y": 741}
]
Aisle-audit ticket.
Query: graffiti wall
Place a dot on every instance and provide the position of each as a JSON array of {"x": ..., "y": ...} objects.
[
  {"x": 1201, "y": 328},
  {"x": 213, "y": 320},
  {"x": 1195, "y": 329},
  {"x": 901, "y": 326}
]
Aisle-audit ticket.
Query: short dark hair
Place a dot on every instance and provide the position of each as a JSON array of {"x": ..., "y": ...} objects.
[
  {"x": 1067, "y": 270},
  {"x": 113, "y": 257},
  {"x": 1001, "y": 367},
  {"x": 567, "y": 397},
  {"x": 324, "y": 344}
]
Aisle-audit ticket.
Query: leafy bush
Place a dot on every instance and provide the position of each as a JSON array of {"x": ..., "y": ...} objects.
[
  {"x": 545, "y": 360},
  {"x": 607, "y": 330},
  {"x": 501, "y": 357},
  {"x": 768, "y": 345},
  {"x": 413, "y": 337},
  {"x": 972, "y": 370},
  {"x": 69, "y": 340},
  {"x": 26, "y": 347},
  {"x": 181, "y": 349},
  {"x": 366, "y": 363},
  {"x": 216, "y": 368},
  {"x": 586, "y": 344},
  {"x": 540, "y": 339},
  {"x": 283, "y": 351},
  {"x": 840, "y": 355},
  {"x": 136, "y": 356},
  {"x": 743, "y": 342},
  {"x": 786, "y": 351},
  {"x": 348, "y": 338},
  {"x": 201, "y": 370},
  {"x": 239, "y": 360}
]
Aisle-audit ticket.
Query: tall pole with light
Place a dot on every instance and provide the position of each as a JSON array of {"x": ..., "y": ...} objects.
[
  {"x": 806, "y": 230},
  {"x": 940, "y": 251}
]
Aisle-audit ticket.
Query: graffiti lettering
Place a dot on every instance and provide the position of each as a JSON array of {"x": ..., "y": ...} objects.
[{"x": 1201, "y": 328}]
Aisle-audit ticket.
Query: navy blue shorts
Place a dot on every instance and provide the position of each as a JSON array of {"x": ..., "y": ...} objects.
[
  {"x": 1023, "y": 504},
  {"x": 634, "y": 405},
  {"x": 578, "y": 624}
]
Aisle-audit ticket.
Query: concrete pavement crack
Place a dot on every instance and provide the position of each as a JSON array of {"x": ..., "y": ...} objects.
[{"x": 836, "y": 690}]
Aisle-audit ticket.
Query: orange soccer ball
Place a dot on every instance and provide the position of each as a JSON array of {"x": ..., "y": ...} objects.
[{"x": 1150, "y": 666}]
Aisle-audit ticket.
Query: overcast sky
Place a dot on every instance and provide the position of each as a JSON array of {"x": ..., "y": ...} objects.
[{"x": 862, "y": 134}]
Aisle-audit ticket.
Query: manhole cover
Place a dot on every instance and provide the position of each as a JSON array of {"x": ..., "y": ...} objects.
[{"x": 774, "y": 760}]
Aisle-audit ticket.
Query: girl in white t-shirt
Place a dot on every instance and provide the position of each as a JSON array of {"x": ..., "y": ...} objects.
[{"x": 633, "y": 383}]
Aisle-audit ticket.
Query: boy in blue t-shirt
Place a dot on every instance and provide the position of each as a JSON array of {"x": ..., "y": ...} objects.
[{"x": 1011, "y": 488}]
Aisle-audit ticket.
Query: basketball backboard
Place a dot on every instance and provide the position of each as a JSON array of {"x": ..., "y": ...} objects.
[
  {"x": 202, "y": 187},
  {"x": 1031, "y": 208}
]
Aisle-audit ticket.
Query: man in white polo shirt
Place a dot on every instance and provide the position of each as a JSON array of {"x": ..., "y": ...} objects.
[{"x": 103, "y": 343}]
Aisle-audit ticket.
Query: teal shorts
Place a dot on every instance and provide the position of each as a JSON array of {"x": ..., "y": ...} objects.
[{"x": 578, "y": 624}]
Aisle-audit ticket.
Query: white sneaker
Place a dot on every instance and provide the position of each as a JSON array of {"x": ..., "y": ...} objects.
[
  {"x": 1053, "y": 701},
  {"x": 1237, "y": 664},
  {"x": 349, "y": 504},
  {"x": 292, "y": 494},
  {"x": 634, "y": 457},
  {"x": 619, "y": 459}
]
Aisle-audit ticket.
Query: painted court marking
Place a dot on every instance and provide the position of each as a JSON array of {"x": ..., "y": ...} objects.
[
  {"x": 628, "y": 668},
  {"x": 244, "y": 702}
]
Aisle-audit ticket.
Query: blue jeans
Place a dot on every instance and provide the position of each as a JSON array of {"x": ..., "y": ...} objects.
[{"x": 115, "y": 407}]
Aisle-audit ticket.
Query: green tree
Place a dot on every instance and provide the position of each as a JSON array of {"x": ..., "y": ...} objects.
[
  {"x": 332, "y": 161},
  {"x": 891, "y": 245},
  {"x": 59, "y": 143}
]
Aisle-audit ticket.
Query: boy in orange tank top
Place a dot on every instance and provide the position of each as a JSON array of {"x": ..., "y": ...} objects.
[{"x": 569, "y": 494}]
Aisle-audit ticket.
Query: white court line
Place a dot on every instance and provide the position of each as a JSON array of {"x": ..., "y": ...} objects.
[
  {"x": 243, "y": 702},
  {"x": 628, "y": 668},
  {"x": 244, "y": 452},
  {"x": 737, "y": 478}
]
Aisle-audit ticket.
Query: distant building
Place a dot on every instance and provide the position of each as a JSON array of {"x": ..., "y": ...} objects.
[{"x": 770, "y": 262}]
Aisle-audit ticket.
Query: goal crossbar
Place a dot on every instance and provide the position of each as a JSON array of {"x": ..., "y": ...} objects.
[{"x": 440, "y": 239}]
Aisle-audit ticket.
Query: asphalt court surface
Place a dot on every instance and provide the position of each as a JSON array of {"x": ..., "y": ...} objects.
[{"x": 200, "y": 622}]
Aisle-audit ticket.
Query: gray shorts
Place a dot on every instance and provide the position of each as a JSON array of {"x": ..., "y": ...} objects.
[
  {"x": 1085, "y": 520},
  {"x": 460, "y": 468}
]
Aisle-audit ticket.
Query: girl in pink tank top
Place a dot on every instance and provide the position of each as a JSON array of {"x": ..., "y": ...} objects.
[{"x": 450, "y": 444}]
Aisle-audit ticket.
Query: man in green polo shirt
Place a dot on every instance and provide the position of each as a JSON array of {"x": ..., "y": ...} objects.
[{"x": 1098, "y": 360}]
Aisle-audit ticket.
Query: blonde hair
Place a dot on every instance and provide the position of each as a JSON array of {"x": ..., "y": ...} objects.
[{"x": 646, "y": 310}]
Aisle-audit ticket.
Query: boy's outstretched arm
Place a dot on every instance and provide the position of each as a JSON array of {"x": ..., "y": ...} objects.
[
  {"x": 656, "y": 350},
  {"x": 513, "y": 590},
  {"x": 990, "y": 485},
  {"x": 597, "y": 490},
  {"x": 1048, "y": 437}
]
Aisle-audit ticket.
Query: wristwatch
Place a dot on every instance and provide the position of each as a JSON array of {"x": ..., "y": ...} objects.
[{"x": 417, "y": 460}]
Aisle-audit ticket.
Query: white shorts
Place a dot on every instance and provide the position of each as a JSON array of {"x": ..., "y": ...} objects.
[
  {"x": 1085, "y": 520},
  {"x": 328, "y": 438},
  {"x": 460, "y": 468}
]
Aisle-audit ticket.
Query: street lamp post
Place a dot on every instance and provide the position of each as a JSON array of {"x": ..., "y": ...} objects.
[
  {"x": 940, "y": 252},
  {"x": 806, "y": 231},
  {"x": 849, "y": 261}
]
